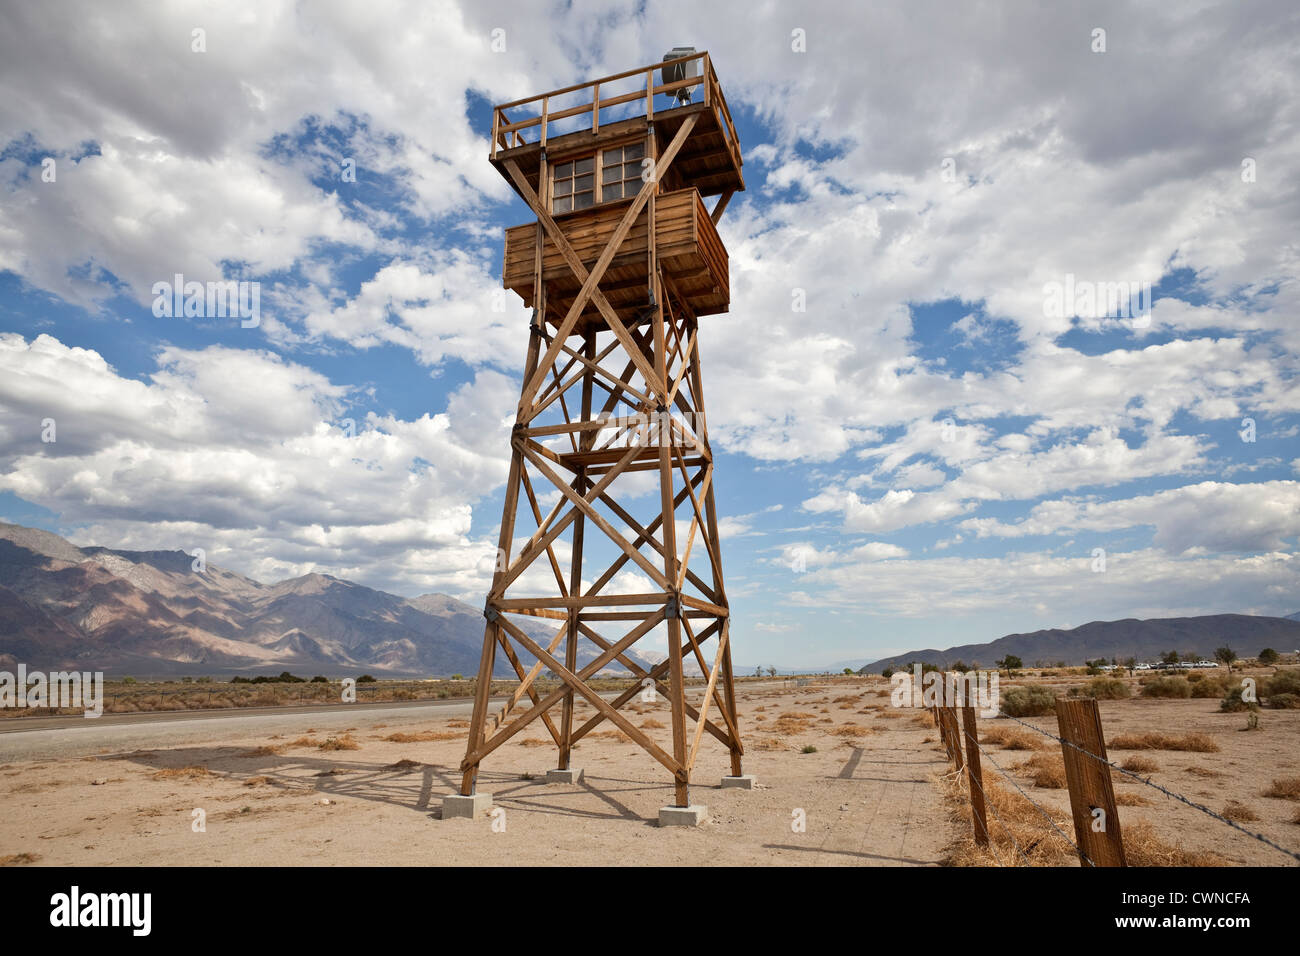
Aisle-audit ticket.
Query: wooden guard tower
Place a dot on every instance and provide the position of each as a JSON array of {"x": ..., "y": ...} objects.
[{"x": 622, "y": 261}]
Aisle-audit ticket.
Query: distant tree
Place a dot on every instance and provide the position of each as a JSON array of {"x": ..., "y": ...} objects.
[
  {"x": 926, "y": 668},
  {"x": 1010, "y": 663},
  {"x": 1226, "y": 655},
  {"x": 320, "y": 679},
  {"x": 1169, "y": 657},
  {"x": 887, "y": 673},
  {"x": 960, "y": 667},
  {"x": 771, "y": 671},
  {"x": 1268, "y": 656},
  {"x": 1191, "y": 657},
  {"x": 462, "y": 676},
  {"x": 848, "y": 670},
  {"x": 758, "y": 671},
  {"x": 365, "y": 679},
  {"x": 1094, "y": 666},
  {"x": 1130, "y": 663}
]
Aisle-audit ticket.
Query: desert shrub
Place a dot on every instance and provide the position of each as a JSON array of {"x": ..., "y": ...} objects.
[
  {"x": 1284, "y": 701},
  {"x": 1283, "y": 682},
  {"x": 1171, "y": 687},
  {"x": 808, "y": 749},
  {"x": 320, "y": 679},
  {"x": 1028, "y": 701},
  {"x": 1195, "y": 677},
  {"x": 1107, "y": 688},
  {"x": 1233, "y": 704},
  {"x": 1208, "y": 686},
  {"x": 366, "y": 679}
]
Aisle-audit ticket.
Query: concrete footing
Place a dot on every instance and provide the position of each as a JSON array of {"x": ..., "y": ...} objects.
[
  {"x": 564, "y": 776},
  {"x": 458, "y": 805},
  {"x": 691, "y": 816},
  {"x": 745, "y": 782}
]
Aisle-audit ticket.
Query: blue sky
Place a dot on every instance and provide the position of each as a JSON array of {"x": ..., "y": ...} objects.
[{"x": 928, "y": 455}]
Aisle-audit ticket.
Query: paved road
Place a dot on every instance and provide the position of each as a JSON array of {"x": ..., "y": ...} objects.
[
  {"x": 28, "y": 738},
  {"x": 34, "y": 738}
]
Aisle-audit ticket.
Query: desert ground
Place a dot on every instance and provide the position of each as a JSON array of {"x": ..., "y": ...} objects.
[{"x": 873, "y": 788}]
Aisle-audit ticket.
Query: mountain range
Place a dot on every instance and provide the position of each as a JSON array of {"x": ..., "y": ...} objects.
[
  {"x": 1145, "y": 640},
  {"x": 150, "y": 613}
]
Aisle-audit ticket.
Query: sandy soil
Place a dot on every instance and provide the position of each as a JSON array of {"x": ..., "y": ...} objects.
[
  {"x": 872, "y": 799},
  {"x": 867, "y": 800}
]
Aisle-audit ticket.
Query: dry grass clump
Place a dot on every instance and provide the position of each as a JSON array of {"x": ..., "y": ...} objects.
[
  {"x": 798, "y": 715},
  {"x": 1012, "y": 821},
  {"x": 404, "y": 764},
  {"x": 266, "y": 750},
  {"x": 458, "y": 723},
  {"x": 846, "y": 699},
  {"x": 608, "y": 735},
  {"x": 1126, "y": 799},
  {"x": 1011, "y": 815},
  {"x": 1012, "y": 738},
  {"x": 892, "y": 714},
  {"x": 851, "y": 730},
  {"x": 345, "y": 742},
  {"x": 1143, "y": 848},
  {"x": 788, "y": 726},
  {"x": 532, "y": 742},
  {"x": 18, "y": 859},
  {"x": 1203, "y": 772},
  {"x": 1136, "y": 764},
  {"x": 1284, "y": 788},
  {"x": 765, "y": 743},
  {"x": 652, "y": 724},
  {"x": 423, "y": 736},
  {"x": 1239, "y": 812},
  {"x": 1047, "y": 770},
  {"x": 186, "y": 773},
  {"x": 257, "y": 781},
  {"x": 303, "y": 742},
  {"x": 1199, "y": 743}
]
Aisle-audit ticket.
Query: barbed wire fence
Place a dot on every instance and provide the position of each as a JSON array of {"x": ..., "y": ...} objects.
[{"x": 1098, "y": 839}]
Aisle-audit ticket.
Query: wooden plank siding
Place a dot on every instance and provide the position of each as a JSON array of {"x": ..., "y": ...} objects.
[{"x": 686, "y": 241}]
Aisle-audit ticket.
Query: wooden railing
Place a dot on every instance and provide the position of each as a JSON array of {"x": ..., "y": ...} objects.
[{"x": 508, "y": 133}]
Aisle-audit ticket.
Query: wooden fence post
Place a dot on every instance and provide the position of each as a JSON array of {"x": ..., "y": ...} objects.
[
  {"x": 1092, "y": 794},
  {"x": 978, "y": 817},
  {"x": 954, "y": 736}
]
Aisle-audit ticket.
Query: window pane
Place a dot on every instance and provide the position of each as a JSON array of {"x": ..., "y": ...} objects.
[
  {"x": 582, "y": 200},
  {"x": 564, "y": 205},
  {"x": 611, "y": 174},
  {"x": 582, "y": 183},
  {"x": 584, "y": 165},
  {"x": 564, "y": 171},
  {"x": 634, "y": 151},
  {"x": 612, "y": 191},
  {"x": 563, "y": 187},
  {"x": 632, "y": 170}
]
